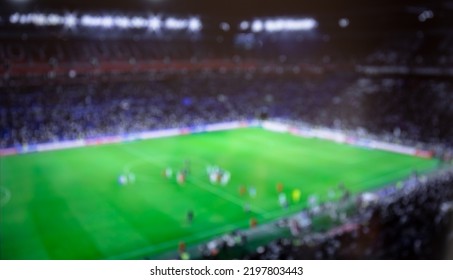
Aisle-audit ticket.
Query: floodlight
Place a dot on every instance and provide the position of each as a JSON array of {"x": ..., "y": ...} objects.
[
  {"x": 194, "y": 24},
  {"x": 257, "y": 26}
]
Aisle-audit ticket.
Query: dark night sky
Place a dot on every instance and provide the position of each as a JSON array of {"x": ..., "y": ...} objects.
[{"x": 224, "y": 7}]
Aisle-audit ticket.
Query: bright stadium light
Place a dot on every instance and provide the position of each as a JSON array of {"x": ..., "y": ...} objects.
[
  {"x": 194, "y": 24},
  {"x": 122, "y": 22},
  {"x": 23, "y": 19},
  {"x": 343, "y": 22},
  {"x": 280, "y": 24},
  {"x": 225, "y": 26},
  {"x": 37, "y": 19},
  {"x": 70, "y": 20},
  {"x": 257, "y": 25},
  {"x": 154, "y": 23},
  {"x": 90, "y": 21},
  {"x": 289, "y": 24},
  {"x": 106, "y": 22},
  {"x": 308, "y": 24},
  {"x": 139, "y": 22},
  {"x": 244, "y": 25},
  {"x": 14, "y": 18},
  {"x": 54, "y": 19},
  {"x": 176, "y": 24},
  {"x": 273, "y": 25}
]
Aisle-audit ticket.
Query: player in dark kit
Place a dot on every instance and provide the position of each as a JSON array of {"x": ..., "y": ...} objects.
[{"x": 190, "y": 216}]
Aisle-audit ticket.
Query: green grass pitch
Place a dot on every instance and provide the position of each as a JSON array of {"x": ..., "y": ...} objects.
[{"x": 68, "y": 204}]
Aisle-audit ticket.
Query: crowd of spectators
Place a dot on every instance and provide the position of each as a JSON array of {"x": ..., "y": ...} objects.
[
  {"x": 405, "y": 107},
  {"x": 276, "y": 85},
  {"x": 409, "y": 48},
  {"x": 78, "y": 51},
  {"x": 413, "y": 49}
]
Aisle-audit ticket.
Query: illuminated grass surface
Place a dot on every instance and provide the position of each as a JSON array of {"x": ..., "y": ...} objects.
[{"x": 68, "y": 204}]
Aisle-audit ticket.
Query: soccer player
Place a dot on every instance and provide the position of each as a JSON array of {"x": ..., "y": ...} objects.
[
  {"x": 190, "y": 216},
  {"x": 242, "y": 190},
  {"x": 181, "y": 178},
  {"x": 253, "y": 223},
  {"x": 279, "y": 187},
  {"x": 122, "y": 180},
  {"x": 219, "y": 175},
  {"x": 296, "y": 195},
  {"x": 213, "y": 177},
  {"x": 184, "y": 256},
  {"x": 252, "y": 191},
  {"x": 225, "y": 178},
  {"x": 167, "y": 173},
  {"x": 181, "y": 246},
  {"x": 282, "y": 200}
]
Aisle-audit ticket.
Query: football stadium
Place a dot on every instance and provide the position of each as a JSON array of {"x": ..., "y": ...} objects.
[{"x": 169, "y": 130}]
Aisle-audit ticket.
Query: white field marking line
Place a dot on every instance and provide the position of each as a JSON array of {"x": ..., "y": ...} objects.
[
  {"x": 226, "y": 196},
  {"x": 283, "y": 212},
  {"x": 5, "y": 196},
  {"x": 168, "y": 244},
  {"x": 131, "y": 164},
  {"x": 377, "y": 178}
]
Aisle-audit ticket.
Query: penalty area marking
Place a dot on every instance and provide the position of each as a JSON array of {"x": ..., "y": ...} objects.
[{"x": 5, "y": 196}]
